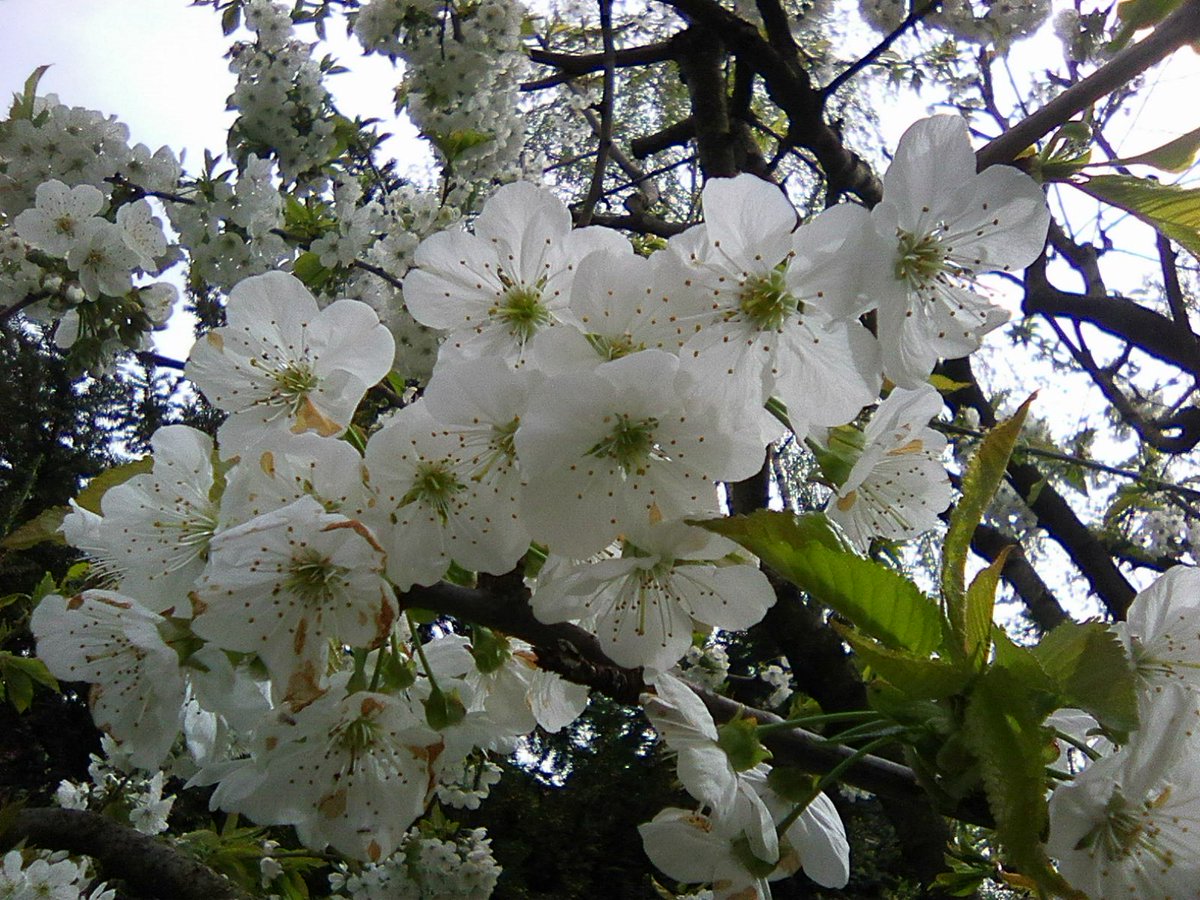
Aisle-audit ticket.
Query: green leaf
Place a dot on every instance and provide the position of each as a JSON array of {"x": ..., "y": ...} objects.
[
  {"x": 308, "y": 269},
  {"x": 917, "y": 676},
  {"x": 90, "y": 497},
  {"x": 1175, "y": 156},
  {"x": 980, "y": 601},
  {"x": 979, "y": 485},
  {"x": 31, "y": 667},
  {"x": 1092, "y": 671},
  {"x": 44, "y": 527},
  {"x": 19, "y": 689},
  {"x": 946, "y": 385},
  {"x": 739, "y": 739},
  {"x": 1134, "y": 15},
  {"x": 231, "y": 18},
  {"x": 808, "y": 552},
  {"x": 1172, "y": 210},
  {"x": 456, "y": 143},
  {"x": 773, "y": 536},
  {"x": 22, "y": 105},
  {"x": 1006, "y": 735}
]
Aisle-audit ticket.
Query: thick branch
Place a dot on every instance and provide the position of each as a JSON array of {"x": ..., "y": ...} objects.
[
  {"x": 700, "y": 63},
  {"x": 583, "y": 63},
  {"x": 1180, "y": 28},
  {"x": 150, "y": 866},
  {"x": 671, "y": 136}
]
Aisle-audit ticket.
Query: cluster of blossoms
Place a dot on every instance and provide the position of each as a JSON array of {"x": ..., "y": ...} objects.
[
  {"x": 459, "y": 866},
  {"x": 30, "y": 877},
  {"x": 283, "y": 106},
  {"x": 585, "y": 399},
  {"x": 463, "y": 68},
  {"x": 998, "y": 22},
  {"x": 115, "y": 783},
  {"x": 74, "y": 242},
  {"x": 1126, "y": 825}
]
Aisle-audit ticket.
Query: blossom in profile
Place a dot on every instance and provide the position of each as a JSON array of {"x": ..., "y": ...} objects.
[
  {"x": 281, "y": 364},
  {"x": 939, "y": 225},
  {"x": 898, "y": 484},
  {"x": 1162, "y": 633}
]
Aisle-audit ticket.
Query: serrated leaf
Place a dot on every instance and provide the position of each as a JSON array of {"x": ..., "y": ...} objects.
[
  {"x": 1005, "y": 733},
  {"x": 980, "y": 601},
  {"x": 771, "y": 534},
  {"x": 807, "y": 551},
  {"x": 1021, "y": 662},
  {"x": 979, "y": 484},
  {"x": 38, "y": 530},
  {"x": 1174, "y": 156},
  {"x": 32, "y": 667},
  {"x": 919, "y": 677},
  {"x": 1172, "y": 210},
  {"x": 89, "y": 498},
  {"x": 1092, "y": 672}
]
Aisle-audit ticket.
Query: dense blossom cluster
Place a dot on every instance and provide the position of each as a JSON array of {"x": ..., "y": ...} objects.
[
  {"x": 425, "y": 867},
  {"x": 585, "y": 399},
  {"x": 48, "y": 875},
  {"x": 998, "y": 22},
  {"x": 463, "y": 68},
  {"x": 74, "y": 243}
]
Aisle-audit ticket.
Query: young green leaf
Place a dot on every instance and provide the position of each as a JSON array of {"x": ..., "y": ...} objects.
[
  {"x": 979, "y": 485},
  {"x": 40, "y": 529},
  {"x": 917, "y": 676},
  {"x": 89, "y": 497},
  {"x": 1172, "y": 210},
  {"x": 1093, "y": 672},
  {"x": 980, "y": 601},
  {"x": 1175, "y": 156}
]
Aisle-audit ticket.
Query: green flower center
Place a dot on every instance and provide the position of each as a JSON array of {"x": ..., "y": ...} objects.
[
  {"x": 920, "y": 258},
  {"x": 313, "y": 578},
  {"x": 610, "y": 348},
  {"x": 765, "y": 302},
  {"x": 630, "y": 443},
  {"x": 521, "y": 309},
  {"x": 293, "y": 383},
  {"x": 434, "y": 486}
]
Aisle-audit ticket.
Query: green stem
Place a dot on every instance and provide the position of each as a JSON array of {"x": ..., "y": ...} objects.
[
  {"x": 1079, "y": 745},
  {"x": 827, "y": 779},
  {"x": 412, "y": 626},
  {"x": 818, "y": 719}
]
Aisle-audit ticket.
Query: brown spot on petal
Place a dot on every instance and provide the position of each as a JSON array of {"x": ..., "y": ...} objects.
[
  {"x": 199, "y": 607},
  {"x": 370, "y": 706},
  {"x": 333, "y": 806},
  {"x": 374, "y": 851},
  {"x": 267, "y": 462},
  {"x": 216, "y": 340},
  {"x": 845, "y": 503},
  {"x": 75, "y": 602},
  {"x": 300, "y": 638},
  {"x": 916, "y": 445},
  {"x": 302, "y": 686},
  {"x": 309, "y": 418}
]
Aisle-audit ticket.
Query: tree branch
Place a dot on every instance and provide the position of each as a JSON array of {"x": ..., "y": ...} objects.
[
  {"x": 150, "y": 867},
  {"x": 1179, "y": 28}
]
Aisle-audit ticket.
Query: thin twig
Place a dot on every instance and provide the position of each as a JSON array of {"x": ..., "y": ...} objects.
[
  {"x": 596, "y": 189},
  {"x": 875, "y": 52}
]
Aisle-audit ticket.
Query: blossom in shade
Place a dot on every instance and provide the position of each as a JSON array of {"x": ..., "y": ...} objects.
[
  {"x": 281, "y": 365},
  {"x": 671, "y": 579},
  {"x": 113, "y": 643},
  {"x": 898, "y": 484}
]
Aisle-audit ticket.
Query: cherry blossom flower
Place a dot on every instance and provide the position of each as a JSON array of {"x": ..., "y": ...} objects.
[
  {"x": 1162, "y": 632},
  {"x": 633, "y": 442},
  {"x": 430, "y": 507},
  {"x": 1126, "y": 826},
  {"x": 352, "y": 771},
  {"x": 645, "y": 605},
  {"x": 281, "y": 365},
  {"x": 285, "y": 583},
  {"x": 102, "y": 259},
  {"x": 704, "y": 768},
  {"x": 112, "y": 642},
  {"x": 155, "y": 529},
  {"x": 770, "y": 325},
  {"x": 56, "y": 224},
  {"x": 898, "y": 484},
  {"x": 696, "y": 848},
  {"x": 939, "y": 225},
  {"x": 495, "y": 289}
]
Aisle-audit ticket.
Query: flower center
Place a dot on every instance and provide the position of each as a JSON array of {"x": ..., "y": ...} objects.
[
  {"x": 313, "y": 578},
  {"x": 630, "y": 443},
  {"x": 920, "y": 258},
  {"x": 610, "y": 348},
  {"x": 764, "y": 301},
  {"x": 293, "y": 383},
  {"x": 435, "y": 485},
  {"x": 522, "y": 310}
]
